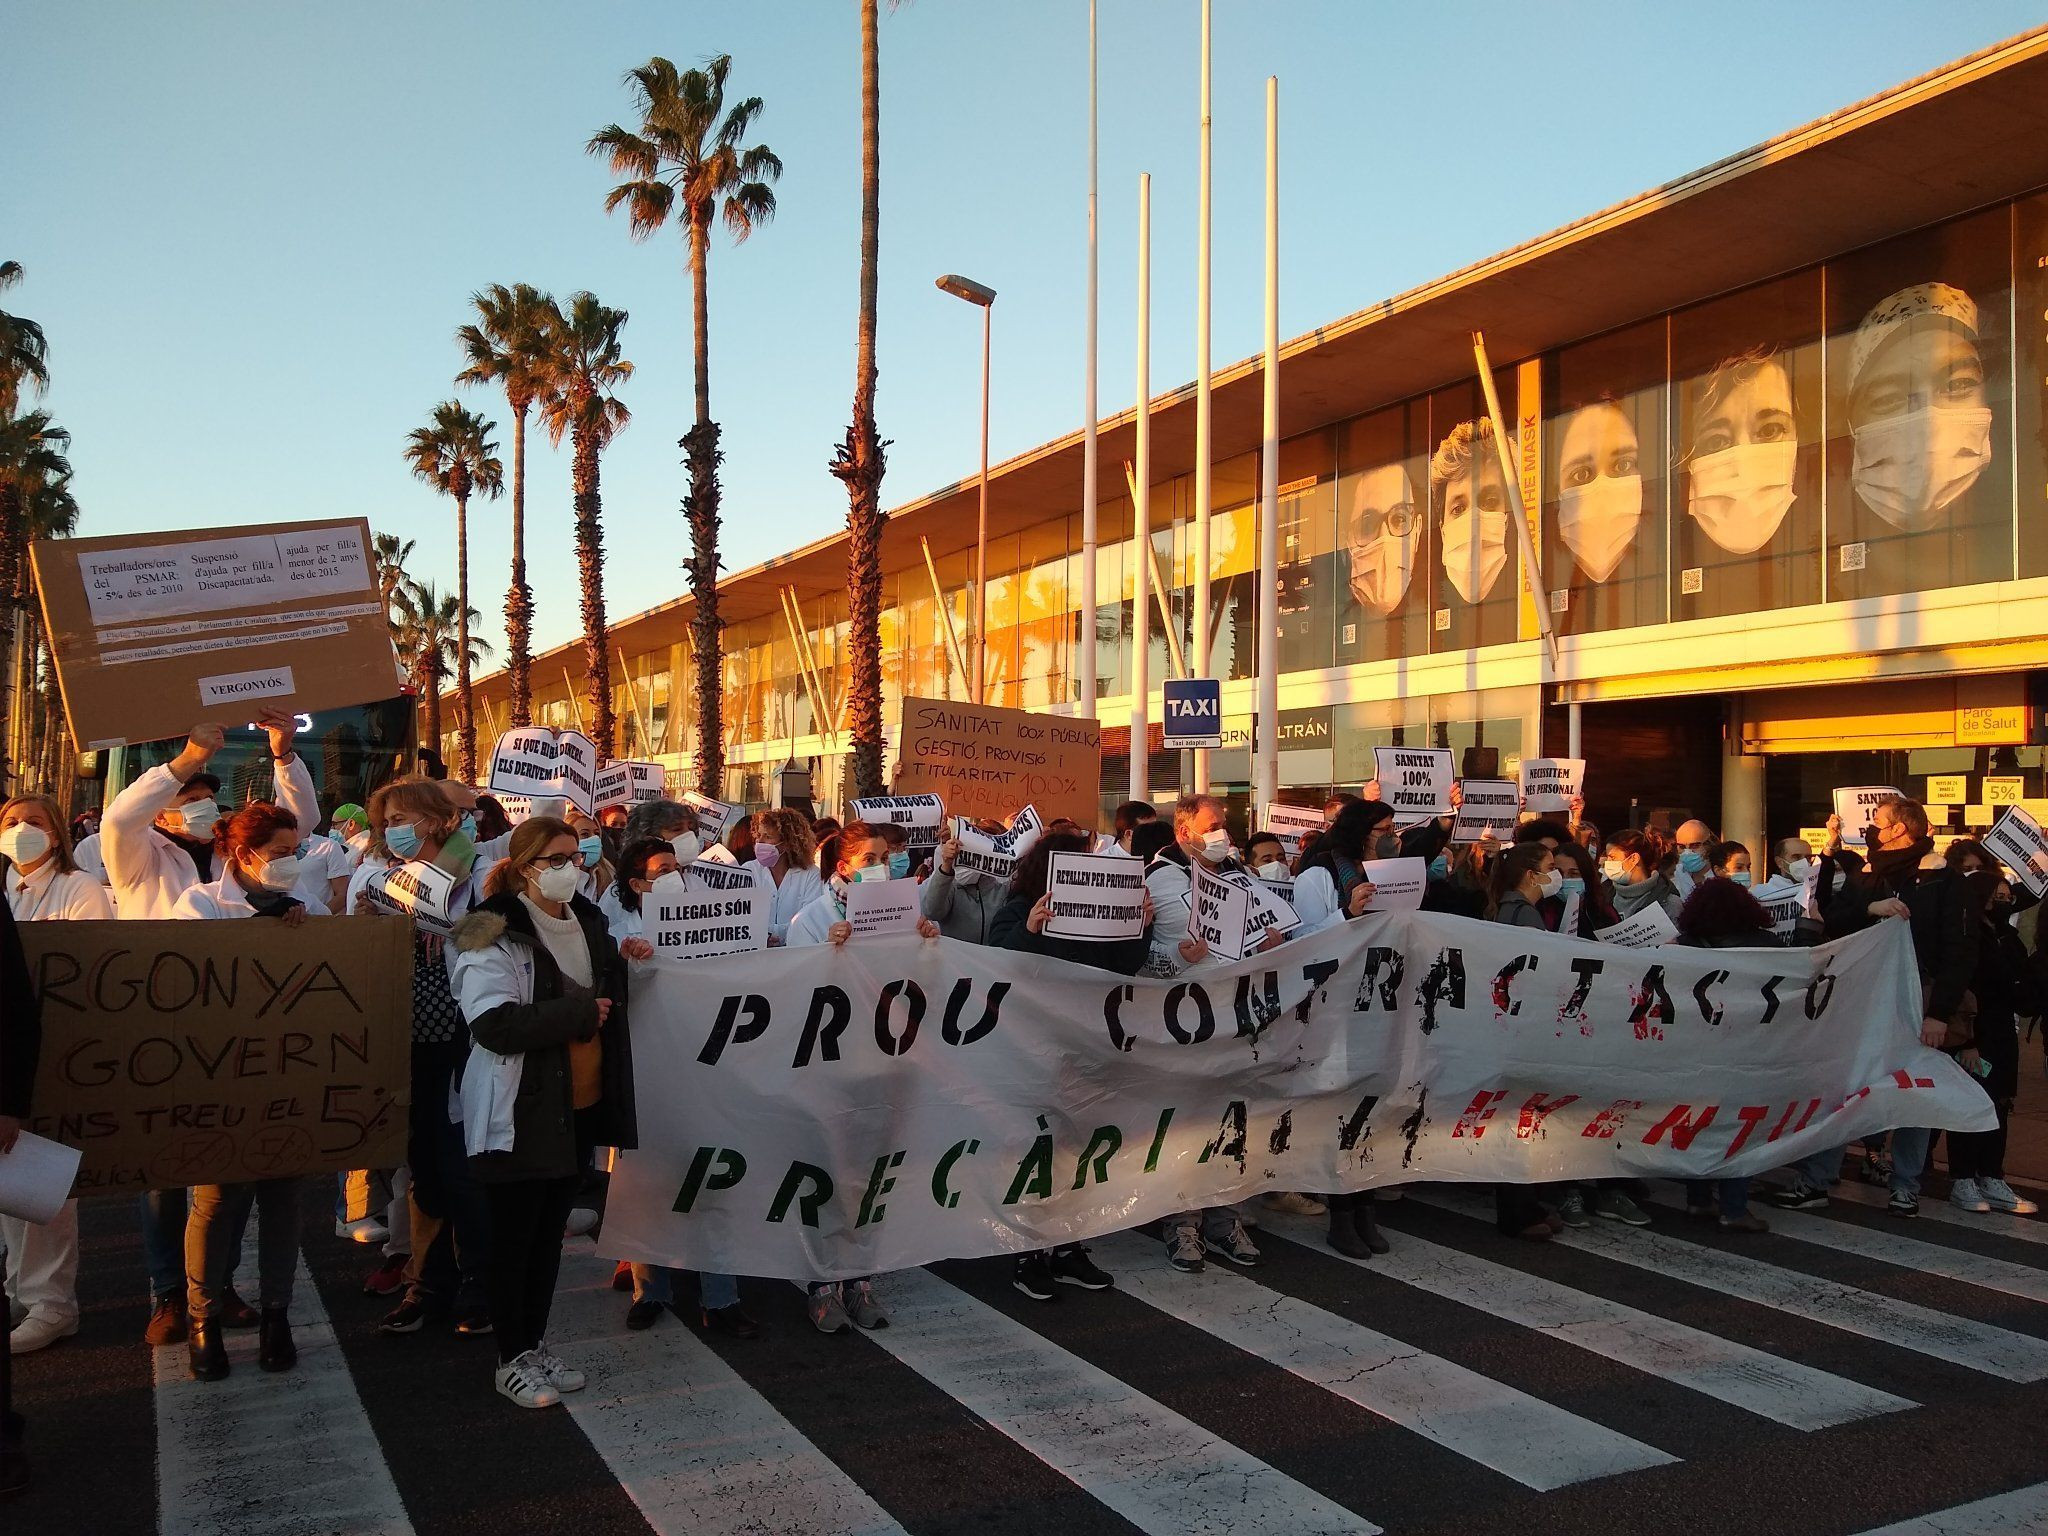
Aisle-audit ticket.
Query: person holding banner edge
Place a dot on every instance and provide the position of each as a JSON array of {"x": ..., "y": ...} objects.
[{"x": 787, "y": 854}]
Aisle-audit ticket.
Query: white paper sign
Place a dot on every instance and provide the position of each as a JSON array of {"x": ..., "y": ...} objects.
[
  {"x": 1646, "y": 930},
  {"x": 1397, "y": 884},
  {"x": 1552, "y": 783},
  {"x": 242, "y": 572},
  {"x": 1292, "y": 823},
  {"x": 2016, "y": 840},
  {"x": 415, "y": 889},
  {"x": 715, "y": 814},
  {"x": 1095, "y": 896},
  {"x": 923, "y": 816},
  {"x": 536, "y": 762},
  {"x": 1856, "y": 806},
  {"x": 878, "y": 908},
  {"x": 1785, "y": 912},
  {"x": 1490, "y": 807},
  {"x": 621, "y": 782},
  {"x": 1284, "y": 889},
  {"x": 1415, "y": 781},
  {"x": 1219, "y": 912},
  {"x": 701, "y": 922},
  {"x": 35, "y": 1178},
  {"x": 709, "y": 872},
  {"x": 996, "y": 854}
]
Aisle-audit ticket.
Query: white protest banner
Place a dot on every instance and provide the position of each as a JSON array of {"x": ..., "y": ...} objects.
[
  {"x": 878, "y": 908},
  {"x": 622, "y": 782},
  {"x": 1785, "y": 912},
  {"x": 1487, "y": 808},
  {"x": 1415, "y": 781},
  {"x": 699, "y": 921},
  {"x": 1646, "y": 930},
  {"x": 922, "y": 817},
  {"x": 1219, "y": 911},
  {"x": 1292, "y": 823},
  {"x": 1397, "y": 884},
  {"x": 1552, "y": 783},
  {"x": 2017, "y": 842},
  {"x": 826, "y": 1113},
  {"x": 713, "y": 816},
  {"x": 1095, "y": 896},
  {"x": 1855, "y": 807},
  {"x": 415, "y": 889},
  {"x": 996, "y": 854},
  {"x": 534, "y": 761}
]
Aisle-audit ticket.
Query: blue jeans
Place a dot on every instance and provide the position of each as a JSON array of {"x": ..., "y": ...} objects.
[
  {"x": 1731, "y": 1196},
  {"x": 1822, "y": 1169},
  {"x": 657, "y": 1282},
  {"x": 1909, "y": 1158}
]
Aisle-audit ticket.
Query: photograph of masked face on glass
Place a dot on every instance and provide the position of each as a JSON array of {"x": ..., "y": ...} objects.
[
  {"x": 1745, "y": 453},
  {"x": 1600, "y": 487},
  {"x": 1383, "y": 535},
  {"x": 1381, "y": 563},
  {"x": 1471, "y": 502},
  {"x": 1917, "y": 409}
]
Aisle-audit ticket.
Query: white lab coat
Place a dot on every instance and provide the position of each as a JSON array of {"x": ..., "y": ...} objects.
[
  {"x": 51, "y": 893},
  {"x": 483, "y": 979},
  {"x": 215, "y": 899},
  {"x": 813, "y": 925},
  {"x": 799, "y": 888},
  {"x": 148, "y": 871}
]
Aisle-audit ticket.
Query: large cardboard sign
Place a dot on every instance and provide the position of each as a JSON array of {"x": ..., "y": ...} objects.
[
  {"x": 179, "y": 1053},
  {"x": 982, "y": 761},
  {"x": 152, "y": 632},
  {"x": 537, "y": 762}
]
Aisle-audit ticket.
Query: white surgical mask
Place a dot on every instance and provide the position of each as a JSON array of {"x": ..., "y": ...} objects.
[
  {"x": 1740, "y": 495},
  {"x": 1551, "y": 884},
  {"x": 1216, "y": 846},
  {"x": 24, "y": 842},
  {"x": 197, "y": 819},
  {"x": 1800, "y": 870},
  {"x": 1272, "y": 869},
  {"x": 871, "y": 872},
  {"x": 1475, "y": 550},
  {"x": 669, "y": 885},
  {"x": 1597, "y": 521},
  {"x": 1909, "y": 467},
  {"x": 278, "y": 874},
  {"x": 558, "y": 884},
  {"x": 687, "y": 846},
  {"x": 1615, "y": 871}
]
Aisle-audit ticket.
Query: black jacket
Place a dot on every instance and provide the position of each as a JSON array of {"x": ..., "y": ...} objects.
[
  {"x": 1011, "y": 930},
  {"x": 1948, "y": 933},
  {"x": 21, "y": 1022},
  {"x": 1882, "y": 875}
]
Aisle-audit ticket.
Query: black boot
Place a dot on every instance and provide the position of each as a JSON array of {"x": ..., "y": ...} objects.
[
  {"x": 1344, "y": 1236},
  {"x": 275, "y": 1350},
  {"x": 1368, "y": 1223},
  {"x": 208, "y": 1355}
]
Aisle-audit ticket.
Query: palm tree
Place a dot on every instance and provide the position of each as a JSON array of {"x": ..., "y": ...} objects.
[
  {"x": 585, "y": 364},
  {"x": 688, "y": 144},
  {"x": 34, "y": 478},
  {"x": 508, "y": 346},
  {"x": 431, "y": 638},
  {"x": 860, "y": 459},
  {"x": 49, "y": 511},
  {"x": 455, "y": 455},
  {"x": 24, "y": 354},
  {"x": 390, "y": 552}
]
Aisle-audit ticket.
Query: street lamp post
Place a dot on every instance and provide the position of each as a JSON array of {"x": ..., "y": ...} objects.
[{"x": 985, "y": 297}]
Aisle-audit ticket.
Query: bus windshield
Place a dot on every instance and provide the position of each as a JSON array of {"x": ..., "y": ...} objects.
[{"x": 350, "y": 753}]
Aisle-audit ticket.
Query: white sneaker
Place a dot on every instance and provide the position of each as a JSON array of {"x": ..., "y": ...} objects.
[
  {"x": 581, "y": 1220},
  {"x": 1295, "y": 1204},
  {"x": 2000, "y": 1196},
  {"x": 561, "y": 1375},
  {"x": 1964, "y": 1195},
  {"x": 526, "y": 1383},
  {"x": 367, "y": 1230},
  {"x": 37, "y": 1331}
]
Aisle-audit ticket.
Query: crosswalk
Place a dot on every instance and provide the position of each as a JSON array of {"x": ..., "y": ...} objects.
[{"x": 1548, "y": 1387}]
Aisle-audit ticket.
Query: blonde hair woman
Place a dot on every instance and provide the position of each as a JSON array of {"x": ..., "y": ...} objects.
[{"x": 787, "y": 853}]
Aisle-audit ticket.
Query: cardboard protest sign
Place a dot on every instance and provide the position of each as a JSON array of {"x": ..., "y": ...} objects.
[
  {"x": 2017, "y": 842},
  {"x": 983, "y": 761},
  {"x": 1415, "y": 781},
  {"x": 1397, "y": 884},
  {"x": 697, "y": 921},
  {"x": 179, "y": 1053},
  {"x": 1552, "y": 783},
  {"x": 1646, "y": 930},
  {"x": 1855, "y": 807},
  {"x": 415, "y": 889},
  {"x": 1487, "y": 808},
  {"x": 878, "y": 908},
  {"x": 1095, "y": 896},
  {"x": 1292, "y": 823},
  {"x": 621, "y": 782},
  {"x": 1219, "y": 911},
  {"x": 537, "y": 762},
  {"x": 152, "y": 632}
]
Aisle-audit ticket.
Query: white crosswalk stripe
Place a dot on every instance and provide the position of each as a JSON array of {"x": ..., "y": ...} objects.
[
  {"x": 1960, "y": 1341},
  {"x": 2024, "y": 1510},
  {"x": 1481, "y": 1419},
  {"x": 1753, "y": 1379},
  {"x": 2023, "y": 1229}
]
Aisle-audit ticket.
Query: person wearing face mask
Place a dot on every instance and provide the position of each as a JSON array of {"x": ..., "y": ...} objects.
[
  {"x": 349, "y": 830},
  {"x": 965, "y": 902},
  {"x": 1694, "y": 840},
  {"x": 863, "y": 855},
  {"x": 1599, "y": 488},
  {"x": 674, "y": 823},
  {"x": 257, "y": 849},
  {"x": 1522, "y": 877},
  {"x": 1381, "y": 541},
  {"x": 1581, "y": 892},
  {"x": 1792, "y": 874},
  {"x": 1917, "y": 407},
  {"x": 43, "y": 885},
  {"x": 599, "y": 877},
  {"x": 787, "y": 857},
  {"x": 1633, "y": 867},
  {"x": 2004, "y": 988},
  {"x": 1471, "y": 503},
  {"x": 1266, "y": 856},
  {"x": 1742, "y": 471},
  {"x": 1729, "y": 861},
  {"x": 898, "y": 840},
  {"x": 1331, "y": 886},
  {"x": 645, "y": 868},
  {"x": 541, "y": 983}
]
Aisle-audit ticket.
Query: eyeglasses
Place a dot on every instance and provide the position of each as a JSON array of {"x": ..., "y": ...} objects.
[
  {"x": 556, "y": 860},
  {"x": 1398, "y": 521}
]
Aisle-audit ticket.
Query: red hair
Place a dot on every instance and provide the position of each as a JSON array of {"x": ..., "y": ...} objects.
[{"x": 252, "y": 826}]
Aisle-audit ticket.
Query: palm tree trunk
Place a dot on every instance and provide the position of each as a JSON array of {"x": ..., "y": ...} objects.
[
  {"x": 860, "y": 461},
  {"x": 465, "y": 704},
  {"x": 701, "y": 450},
  {"x": 11, "y": 541},
  {"x": 519, "y": 601},
  {"x": 429, "y": 682},
  {"x": 590, "y": 565}
]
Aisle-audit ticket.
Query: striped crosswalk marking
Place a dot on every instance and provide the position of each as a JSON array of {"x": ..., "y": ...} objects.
[
  {"x": 1959, "y": 1340},
  {"x": 2024, "y": 1229},
  {"x": 1486, "y": 1421},
  {"x": 2005, "y": 1514},
  {"x": 1753, "y": 1379},
  {"x": 1160, "y": 1471},
  {"x": 696, "y": 1448},
  {"x": 290, "y": 1454}
]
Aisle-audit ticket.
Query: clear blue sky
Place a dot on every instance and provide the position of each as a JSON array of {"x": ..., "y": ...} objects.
[{"x": 251, "y": 228}]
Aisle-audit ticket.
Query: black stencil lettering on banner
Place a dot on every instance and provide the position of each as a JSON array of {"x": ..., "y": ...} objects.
[
  {"x": 1445, "y": 983},
  {"x": 1709, "y": 1009},
  {"x": 943, "y": 1194},
  {"x": 1819, "y": 993},
  {"x": 1229, "y": 1140},
  {"x": 1575, "y": 1005},
  {"x": 1103, "y": 1144},
  {"x": 823, "y": 1025},
  {"x": 1651, "y": 1001},
  {"x": 1353, "y": 1127},
  {"x": 1256, "y": 1010},
  {"x": 809, "y": 1200},
  {"x": 1034, "y": 1173},
  {"x": 1315, "y": 973},
  {"x": 886, "y": 1039},
  {"x": 1388, "y": 988},
  {"x": 1282, "y": 1134},
  {"x": 1112, "y": 1008},
  {"x": 956, "y": 1004},
  {"x": 1503, "y": 984},
  {"x": 723, "y": 1033},
  {"x": 1205, "y": 1014},
  {"x": 1411, "y": 1128},
  {"x": 1771, "y": 997},
  {"x": 732, "y": 1167}
]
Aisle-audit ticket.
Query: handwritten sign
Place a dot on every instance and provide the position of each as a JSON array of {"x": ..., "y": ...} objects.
[
  {"x": 981, "y": 761},
  {"x": 415, "y": 889},
  {"x": 537, "y": 762},
  {"x": 1646, "y": 930},
  {"x": 1219, "y": 912},
  {"x": 622, "y": 782},
  {"x": 1488, "y": 808},
  {"x": 1855, "y": 806},
  {"x": 692, "y": 921},
  {"x": 878, "y": 908},
  {"x": 2015, "y": 840},
  {"x": 178, "y": 1053},
  {"x": 1291, "y": 824},
  {"x": 1552, "y": 783},
  {"x": 1415, "y": 781},
  {"x": 1095, "y": 897}
]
